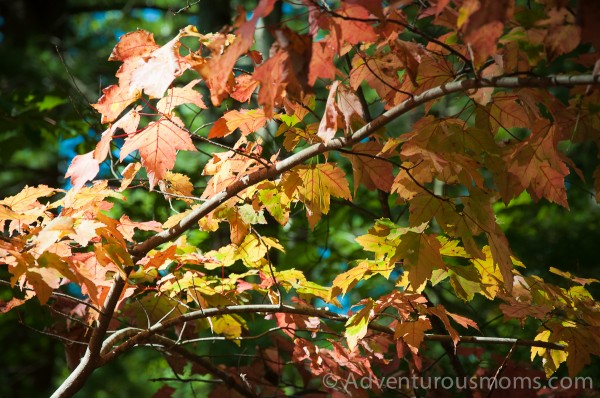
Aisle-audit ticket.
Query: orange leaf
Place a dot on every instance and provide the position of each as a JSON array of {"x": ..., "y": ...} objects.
[
  {"x": 272, "y": 75},
  {"x": 412, "y": 332},
  {"x": 321, "y": 62},
  {"x": 83, "y": 168},
  {"x": 158, "y": 144},
  {"x": 132, "y": 45},
  {"x": 128, "y": 123},
  {"x": 244, "y": 87},
  {"x": 219, "y": 129},
  {"x": 248, "y": 121},
  {"x": 114, "y": 100},
  {"x": 179, "y": 96}
]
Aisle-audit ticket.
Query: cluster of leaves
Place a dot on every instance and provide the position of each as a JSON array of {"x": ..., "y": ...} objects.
[{"x": 501, "y": 143}]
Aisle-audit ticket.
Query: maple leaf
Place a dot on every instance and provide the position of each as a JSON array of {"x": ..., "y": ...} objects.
[
  {"x": 217, "y": 71},
  {"x": 52, "y": 232},
  {"x": 248, "y": 121},
  {"x": 372, "y": 6},
  {"x": 229, "y": 325},
  {"x": 272, "y": 76},
  {"x": 440, "y": 312},
  {"x": 244, "y": 87},
  {"x": 506, "y": 112},
  {"x": 114, "y": 100},
  {"x": 27, "y": 198},
  {"x": 275, "y": 201},
  {"x": 321, "y": 62},
  {"x": 155, "y": 72},
  {"x": 179, "y": 96},
  {"x": 83, "y": 168},
  {"x": 319, "y": 182},
  {"x": 465, "y": 281},
  {"x": 421, "y": 254},
  {"x": 133, "y": 45},
  {"x": 538, "y": 165},
  {"x": 350, "y": 107},
  {"x": 343, "y": 31},
  {"x": 362, "y": 271},
  {"x": 128, "y": 123},
  {"x": 177, "y": 184},
  {"x": 219, "y": 129},
  {"x": 370, "y": 168},
  {"x": 328, "y": 125},
  {"x": 129, "y": 173},
  {"x": 358, "y": 324},
  {"x": 580, "y": 344},
  {"x": 482, "y": 23},
  {"x": 521, "y": 310},
  {"x": 238, "y": 227},
  {"x": 85, "y": 231},
  {"x": 158, "y": 144},
  {"x": 412, "y": 332},
  {"x": 491, "y": 277},
  {"x": 127, "y": 226}
]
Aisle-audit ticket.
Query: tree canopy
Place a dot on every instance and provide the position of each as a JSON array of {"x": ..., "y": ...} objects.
[{"x": 318, "y": 198}]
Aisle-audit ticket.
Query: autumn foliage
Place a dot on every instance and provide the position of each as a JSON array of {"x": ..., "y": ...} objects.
[{"x": 330, "y": 94}]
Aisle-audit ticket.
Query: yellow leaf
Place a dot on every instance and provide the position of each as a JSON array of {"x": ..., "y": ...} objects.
[
  {"x": 319, "y": 183},
  {"x": 358, "y": 324}
]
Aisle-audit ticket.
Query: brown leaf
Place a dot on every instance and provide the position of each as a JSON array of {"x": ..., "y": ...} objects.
[{"x": 328, "y": 126}]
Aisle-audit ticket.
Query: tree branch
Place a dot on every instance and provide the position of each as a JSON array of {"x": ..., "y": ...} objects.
[
  {"x": 91, "y": 358},
  {"x": 143, "y": 336},
  {"x": 298, "y": 158}
]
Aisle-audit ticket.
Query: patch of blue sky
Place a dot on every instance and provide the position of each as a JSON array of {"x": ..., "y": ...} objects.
[
  {"x": 66, "y": 147},
  {"x": 324, "y": 252},
  {"x": 105, "y": 16},
  {"x": 193, "y": 20},
  {"x": 74, "y": 290},
  {"x": 148, "y": 14},
  {"x": 118, "y": 33}
]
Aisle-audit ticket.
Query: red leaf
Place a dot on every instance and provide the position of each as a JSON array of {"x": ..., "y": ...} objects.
[{"x": 218, "y": 70}]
